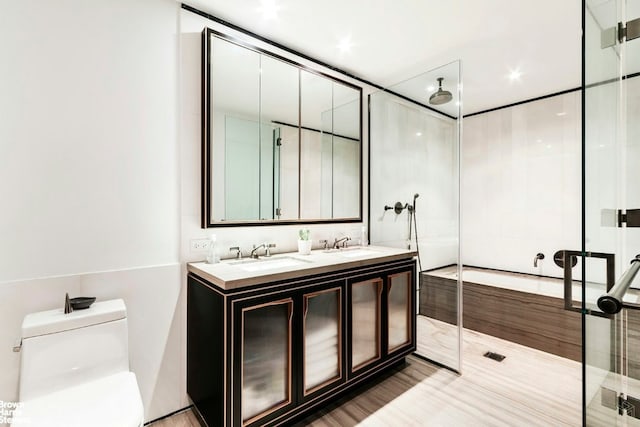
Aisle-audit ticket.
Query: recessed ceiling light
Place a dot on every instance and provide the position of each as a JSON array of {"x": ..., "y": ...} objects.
[
  {"x": 562, "y": 113},
  {"x": 269, "y": 9},
  {"x": 514, "y": 75},
  {"x": 345, "y": 44},
  {"x": 418, "y": 133}
]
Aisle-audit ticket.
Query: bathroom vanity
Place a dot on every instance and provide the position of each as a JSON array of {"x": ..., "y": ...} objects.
[{"x": 269, "y": 340}]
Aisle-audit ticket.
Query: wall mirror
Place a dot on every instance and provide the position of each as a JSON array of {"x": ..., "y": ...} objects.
[{"x": 281, "y": 143}]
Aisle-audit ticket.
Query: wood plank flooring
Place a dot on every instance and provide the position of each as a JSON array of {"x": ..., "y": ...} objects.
[
  {"x": 183, "y": 419},
  {"x": 528, "y": 388}
]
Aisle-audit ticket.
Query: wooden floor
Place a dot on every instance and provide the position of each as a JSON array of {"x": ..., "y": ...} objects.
[
  {"x": 528, "y": 388},
  {"x": 182, "y": 419}
]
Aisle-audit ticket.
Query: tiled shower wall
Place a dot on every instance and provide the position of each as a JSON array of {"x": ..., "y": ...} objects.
[
  {"x": 520, "y": 173},
  {"x": 521, "y": 185},
  {"x": 413, "y": 151}
]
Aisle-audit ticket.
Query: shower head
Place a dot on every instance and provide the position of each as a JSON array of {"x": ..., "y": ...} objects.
[
  {"x": 441, "y": 96},
  {"x": 412, "y": 207}
]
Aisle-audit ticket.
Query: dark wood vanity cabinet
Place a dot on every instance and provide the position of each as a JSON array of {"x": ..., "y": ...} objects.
[
  {"x": 381, "y": 318},
  {"x": 270, "y": 353}
]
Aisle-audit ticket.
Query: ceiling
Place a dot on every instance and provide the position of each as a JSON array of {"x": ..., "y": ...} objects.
[{"x": 392, "y": 41}]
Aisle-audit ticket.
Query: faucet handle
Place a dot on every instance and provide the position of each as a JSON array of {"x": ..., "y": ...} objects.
[
  {"x": 324, "y": 243},
  {"x": 238, "y": 251},
  {"x": 267, "y": 248},
  {"x": 67, "y": 304}
]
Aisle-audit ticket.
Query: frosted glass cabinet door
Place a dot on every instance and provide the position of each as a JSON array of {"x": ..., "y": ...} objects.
[
  {"x": 365, "y": 322},
  {"x": 399, "y": 310},
  {"x": 266, "y": 359},
  {"x": 322, "y": 339}
]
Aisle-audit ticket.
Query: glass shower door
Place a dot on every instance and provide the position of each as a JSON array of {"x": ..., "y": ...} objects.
[
  {"x": 414, "y": 164},
  {"x": 611, "y": 200}
]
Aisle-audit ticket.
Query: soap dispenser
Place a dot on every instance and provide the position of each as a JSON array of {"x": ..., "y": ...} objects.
[
  {"x": 363, "y": 236},
  {"x": 212, "y": 255}
]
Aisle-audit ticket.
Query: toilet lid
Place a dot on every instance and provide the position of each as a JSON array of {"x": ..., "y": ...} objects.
[{"x": 107, "y": 402}]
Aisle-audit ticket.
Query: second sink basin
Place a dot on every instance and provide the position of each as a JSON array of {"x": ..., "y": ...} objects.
[
  {"x": 262, "y": 264},
  {"x": 354, "y": 252}
]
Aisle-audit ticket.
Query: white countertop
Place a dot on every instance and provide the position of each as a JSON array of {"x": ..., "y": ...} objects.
[{"x": 234, "y": 273}]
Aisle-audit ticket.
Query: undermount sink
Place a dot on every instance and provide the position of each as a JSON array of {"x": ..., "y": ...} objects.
[
  {"x": 354, "y": 252},
  {"x": 262, "y": 264}
]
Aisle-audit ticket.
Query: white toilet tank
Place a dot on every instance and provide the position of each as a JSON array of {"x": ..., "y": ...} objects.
[{"x": 62, "y": 350}]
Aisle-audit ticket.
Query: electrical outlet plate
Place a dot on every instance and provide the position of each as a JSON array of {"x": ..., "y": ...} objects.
[{"x": 200, "y": 245}]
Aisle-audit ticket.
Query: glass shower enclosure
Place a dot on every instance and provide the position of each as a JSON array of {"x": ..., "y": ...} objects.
[
  {"x": 611, "y": 214},
  {"x": 414, "y": 176}
]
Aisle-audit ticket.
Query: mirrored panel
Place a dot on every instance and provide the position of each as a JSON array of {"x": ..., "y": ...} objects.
[
  {"x": 279, "y": 110},
  {"x": 281, "y": 143},
  {"x": 234, "y": 117}
]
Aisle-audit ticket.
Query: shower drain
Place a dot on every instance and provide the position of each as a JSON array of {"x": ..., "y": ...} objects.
[{"x": 495, "y": 356}]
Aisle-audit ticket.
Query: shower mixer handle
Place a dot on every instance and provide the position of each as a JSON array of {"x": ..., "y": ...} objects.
[{"x": 397, "y": 208}]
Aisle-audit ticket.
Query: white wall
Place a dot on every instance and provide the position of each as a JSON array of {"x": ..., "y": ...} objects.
[
  {"x": 89, "y": 175},
  {"x": 521, "y": 185},
  {"x": 100, "y": 175}
]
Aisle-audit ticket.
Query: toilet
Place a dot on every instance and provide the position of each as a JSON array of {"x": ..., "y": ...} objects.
[{"x": 75, "y": 369}]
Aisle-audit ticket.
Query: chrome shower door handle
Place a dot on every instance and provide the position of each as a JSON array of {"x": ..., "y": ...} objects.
[
  {"x": 613, "y": 301},
  {"x": 568, "y": 275}
]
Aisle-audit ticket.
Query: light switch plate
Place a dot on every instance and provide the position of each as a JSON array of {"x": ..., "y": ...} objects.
[{"x": 200, "y": 245}]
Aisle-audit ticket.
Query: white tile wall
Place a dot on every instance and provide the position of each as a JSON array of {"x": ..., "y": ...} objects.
[
  {"x": 413, "y": 151},
  {"x": 521, "y": 185}
]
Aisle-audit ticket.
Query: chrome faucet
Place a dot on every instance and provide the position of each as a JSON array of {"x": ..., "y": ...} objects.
[
  {"x": 267, "y": 250},
  {"x": 539, "y": 255},
  {"x": 254, "y": 251},
  {"x": 343, "y": 240}
]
